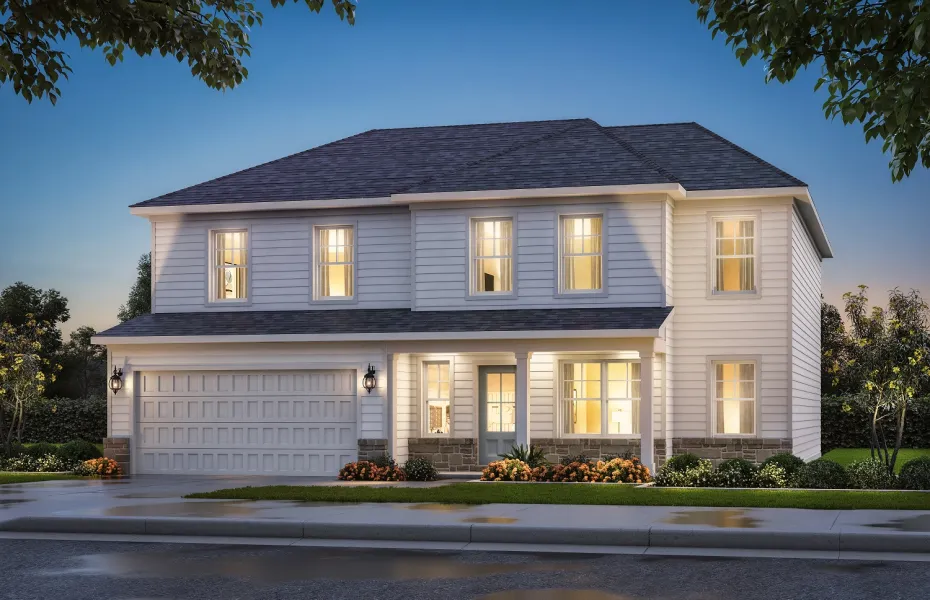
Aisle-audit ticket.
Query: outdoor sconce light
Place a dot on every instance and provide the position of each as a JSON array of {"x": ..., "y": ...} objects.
[
  {"x": 369, "y": 381},
  {"x": 116, "y": 380}
]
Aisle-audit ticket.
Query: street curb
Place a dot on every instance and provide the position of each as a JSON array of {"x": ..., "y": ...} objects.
[{"x": 743, "y": 539}]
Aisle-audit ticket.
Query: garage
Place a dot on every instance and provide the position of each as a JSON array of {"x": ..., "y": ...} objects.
[{"x": 248, "y": 422}]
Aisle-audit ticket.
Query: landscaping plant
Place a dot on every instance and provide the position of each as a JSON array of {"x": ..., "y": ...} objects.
[
  {"x": 821, "y": 474},
  {"x": 420, "y": 469},
  {"x": 686, "y": 470},
  {"x": 870, "y": 474},
  {"x": 621, "y": 470},
  {"x": 364, "y": 470},
  {"x": 915, "y": 474},
  {"x": 787, "y": 461},
  {"x": 40, "y": 449},
  {"x": 771, "y": 475},
  {"x": 507, "y": 470},
  {"x": 578, "y": 472},
  {"x": 533, "y": 456},
  {"x": 78, "y": 451},
  {"x": 104, "y": 467},
  {"x": 736, "y": 473}
]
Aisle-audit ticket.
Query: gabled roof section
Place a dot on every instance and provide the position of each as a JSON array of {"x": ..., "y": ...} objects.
[{"x": 493, "y": 156}]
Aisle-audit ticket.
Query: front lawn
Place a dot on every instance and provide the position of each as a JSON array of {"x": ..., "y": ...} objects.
[
  {"x": 845, "y": 456},
  {"x": 6, "y": 477},
  {"x": 510, "y": 493}
]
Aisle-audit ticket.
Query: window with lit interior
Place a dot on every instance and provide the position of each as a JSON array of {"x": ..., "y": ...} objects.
[
  {"x": 601, "y": 397},
  {"x": 735, "y": 398},
  {"x": 581, "y": 254},
  {"x": 734, "y": 256},
  {"x": 438, "y": 398},
  {"x": 335, "y": 263},
  {"x": 492, "y": 256},
  {"x": 230, "y": 266}
]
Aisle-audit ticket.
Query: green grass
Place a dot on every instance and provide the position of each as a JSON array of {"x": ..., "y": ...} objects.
[
  {"x": 845, "y": 456},
  {"x": 29, "y": 477},
  {"x": 509, "y": 493}
]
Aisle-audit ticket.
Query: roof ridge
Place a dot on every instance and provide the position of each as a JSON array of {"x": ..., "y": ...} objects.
[
  {"x": 575, "y": 124},
  {"x": 666, "y": 124},
  {"x": 479, "y": 124},
  {"x": 749, "y": 154},
  {"x": 645, "y": 159},
  {"x": 259, "y": 165}
]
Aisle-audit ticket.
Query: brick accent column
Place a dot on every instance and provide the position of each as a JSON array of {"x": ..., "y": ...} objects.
[
  {"x": 118, "y": 450},
  {"x": 370, "y": 449}
]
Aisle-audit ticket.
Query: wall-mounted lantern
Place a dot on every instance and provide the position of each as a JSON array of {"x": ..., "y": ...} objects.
[
  {"x": 369, "y": 381},
  {"x": 116, "y": 380}
]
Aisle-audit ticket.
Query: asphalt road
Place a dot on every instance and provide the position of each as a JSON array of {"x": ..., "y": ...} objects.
[{"x": 103, "y": 571}]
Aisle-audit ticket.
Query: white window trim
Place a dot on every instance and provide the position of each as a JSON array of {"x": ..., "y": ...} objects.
[
  {"x": 561, "y": 402},
  {"x": 712, "y": 363},
  {"x": 422, "y": 398},
  {"x": 561, "y": 292},
  {"x": 315, "y": 230},
  {"x": 712, "y": 255},
  {"x": 474, "y": 294},
  {"x": 211, "y": 300}
]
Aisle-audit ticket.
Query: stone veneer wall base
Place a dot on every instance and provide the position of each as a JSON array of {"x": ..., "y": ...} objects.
[
  {"x": 117, "y": 449},
  {"x": 370, "y": 449},
  {"x": 718, "y": 450},
  {"x": 447, "y": 454}
]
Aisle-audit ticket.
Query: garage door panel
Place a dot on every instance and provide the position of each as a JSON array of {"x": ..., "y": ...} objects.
[{"x": 287, "y": 423}]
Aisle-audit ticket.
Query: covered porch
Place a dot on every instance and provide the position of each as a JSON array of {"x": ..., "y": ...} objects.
[{"x": 463, "y": 403}]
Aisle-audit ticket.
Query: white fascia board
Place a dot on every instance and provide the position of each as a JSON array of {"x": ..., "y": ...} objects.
[
  {"x": 673, "y": 189},
  {"x": 796, "y": 191},
  {"x": 371, "y": 337},
  {"x": 191, "y": 209}
]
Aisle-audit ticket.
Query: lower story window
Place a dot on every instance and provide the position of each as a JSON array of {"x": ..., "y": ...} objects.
[
  {"x": 438, "y": 398},
  {"x": 601, "y": 397},
  {"x": 735, "y": 398}
]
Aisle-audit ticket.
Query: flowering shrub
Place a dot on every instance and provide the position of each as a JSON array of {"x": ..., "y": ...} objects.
[
  {"x": 915, "y": 474},
  {"x": 736, "y": 473},
  {"x": 870, "y": 474},
  {"x": 771, "y": 475},
  {"x": 686, "y": 474},
  {"x": 546, "y": 472},
  {"x": 821, "y": 474},
  {"x": 104, "y": 467},
  {"x": 507, "y": 470},
  {"x": 418, "y": 468},
  {"x": 48, "y": 463},
  {"x": 622, "y": 470},
  {"x": 787, "y": 461},
  {"x": 364, "y": 470},
  {"x": 577, "y": 471}
]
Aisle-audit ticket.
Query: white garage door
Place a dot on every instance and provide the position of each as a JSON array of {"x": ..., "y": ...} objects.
[{"x": 265, "y": 423}]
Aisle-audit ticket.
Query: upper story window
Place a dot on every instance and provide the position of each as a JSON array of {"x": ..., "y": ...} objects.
[
  {"x": 735, "y": 398},
  {"x": 335, "y": 263},
  {"x": 581, "y": 254},
  {"x": 230, "y": 266},
  {"x": 492, "y": 256},
  {"x": 734, "y": 255},
  {"x": 601, "y": 397},
  {"x": 437, "y": 397}
]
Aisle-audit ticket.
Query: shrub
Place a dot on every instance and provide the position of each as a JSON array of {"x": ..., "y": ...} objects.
[
  {"x": 84, "y": 469},
  {"x": 104, "y": 467},
  {"x": 787, "y": 461},
  {"x": 821, "y": 474},
  {"x": 579, "y": 458},
  {"x": 736, "y": 473},
  {"x": 915, "y": 474},
  {"x": 507, "y": 470},
  {"x": 383, "y": 461},
  {"x": 60, "y": 420},
  {"x": 52, "y": 463},
  {"x": 418, "y": 468},
  {"x": 870, "y": 474},
  {"x": 23, "y": 462},
  {"x": 700, "y": 475},
  {"x": 546, "y": 472},
  {"x": 41, "y": 449},
  {"x": 533, "y": 456},
  {"x": 358, "y": 471},
  {"x": 78, "y": 451},
  {"x": 16, "y": 449},
  {"x": 771, "y": 475},
  {"x": 683, "y": 462},
  {"x": 577, "y": 471},
  {"x": 390, "y": 473},
  {"x": 621, "y": 470}
]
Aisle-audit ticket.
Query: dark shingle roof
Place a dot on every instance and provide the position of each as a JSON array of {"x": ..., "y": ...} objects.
[
  {"x": 387, "y": 321},
  {"x": 524, "y": 155}
]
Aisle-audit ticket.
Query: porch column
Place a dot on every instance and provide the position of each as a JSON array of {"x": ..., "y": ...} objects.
[
  {"x": 646, "y": 419},
  {"x": 522, "y": 396},
  {"x": 390, "y": 422}
]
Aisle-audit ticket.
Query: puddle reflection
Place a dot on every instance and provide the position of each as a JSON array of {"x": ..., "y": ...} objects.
[
  {"x": 8, "y": 502},
  {"x": 304, "y": 564},
  {"x": 439, "y": 507},
  {"x": 498, "y": 520},
  {"x": 920, "y": 523},
  {"x": 230, "y": 508},
  {"x": 727, "y": 519}
]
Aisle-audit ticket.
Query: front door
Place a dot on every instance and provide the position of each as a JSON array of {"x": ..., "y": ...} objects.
[{"x": 496, "y": 411}]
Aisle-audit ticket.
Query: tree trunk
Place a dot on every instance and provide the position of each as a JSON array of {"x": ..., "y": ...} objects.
[{"x": 899, "y": 437}]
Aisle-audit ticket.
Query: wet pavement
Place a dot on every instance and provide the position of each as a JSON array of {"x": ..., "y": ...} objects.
[{"x": 85, "y": 570}]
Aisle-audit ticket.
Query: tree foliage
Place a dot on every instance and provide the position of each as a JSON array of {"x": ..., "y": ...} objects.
[
  {"x": 211, "y": 36},
  {"x": 19, "y": 301},
  {"x": 874, "y": 58},
  {"x": 140, "y": 296},
  {"x": 84, "y": 367}
]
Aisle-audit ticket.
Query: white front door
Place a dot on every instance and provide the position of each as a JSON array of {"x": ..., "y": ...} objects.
[{"x": 246, "y": 422}]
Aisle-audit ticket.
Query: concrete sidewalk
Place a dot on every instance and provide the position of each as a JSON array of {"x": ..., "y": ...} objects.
[{"x": 155, "y": 506}]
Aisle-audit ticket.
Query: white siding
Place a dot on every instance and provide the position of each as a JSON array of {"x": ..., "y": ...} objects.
[
  {"x": 632, "y": 251},
  {"x": 280, "y": 268},
  {"x": 751, "y": 327},
  {"x": 406, "y": 405},
  {"x": 805, "y": 342}
]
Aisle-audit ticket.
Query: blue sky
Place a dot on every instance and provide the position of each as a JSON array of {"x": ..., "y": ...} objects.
[{"x": 124, "y": 134}]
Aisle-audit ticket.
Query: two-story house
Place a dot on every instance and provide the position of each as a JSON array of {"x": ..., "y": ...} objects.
[{"x": 583, "y": 288}]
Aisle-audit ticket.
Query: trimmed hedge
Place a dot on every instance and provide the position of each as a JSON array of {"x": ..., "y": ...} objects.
[
  {"x": 61, "y": 420},
  {"x": 846, "y": 423}
]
